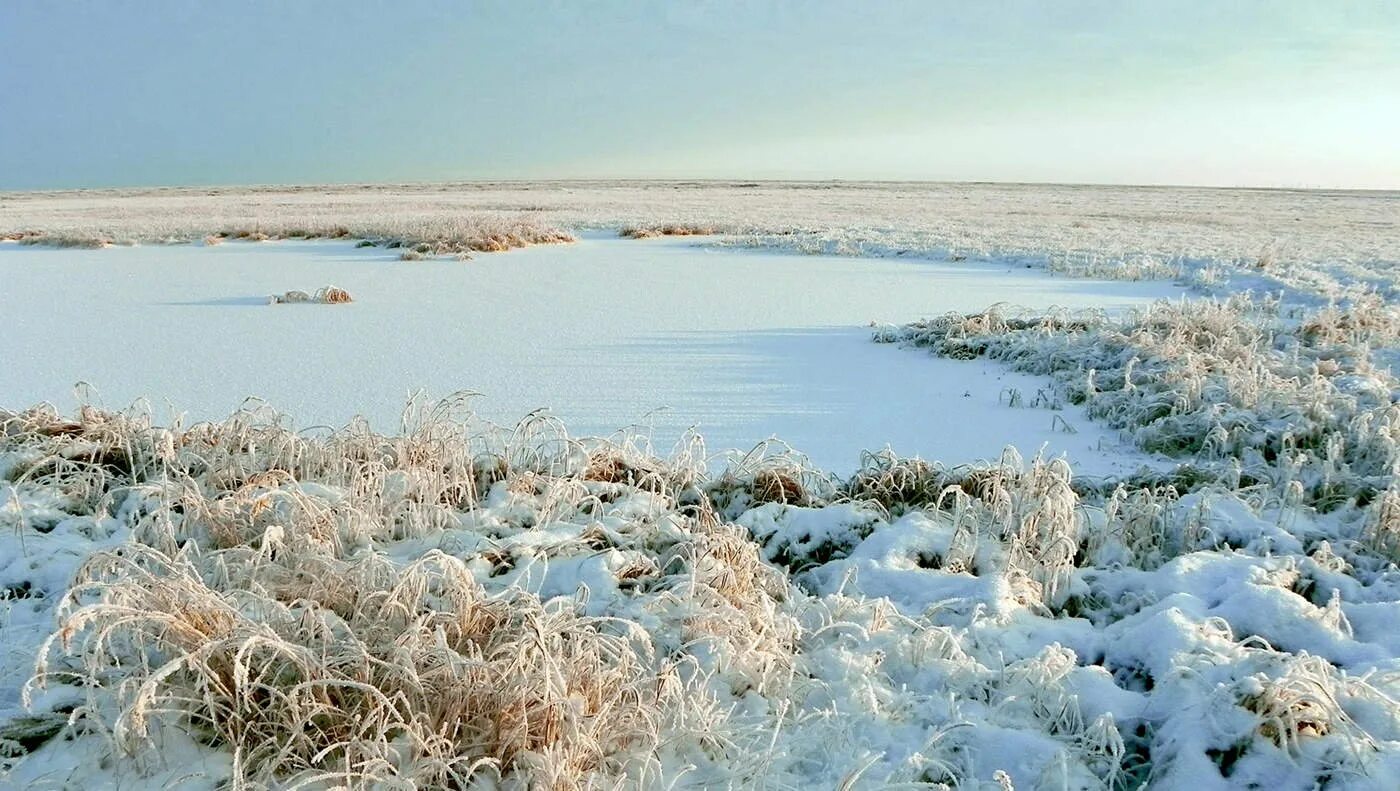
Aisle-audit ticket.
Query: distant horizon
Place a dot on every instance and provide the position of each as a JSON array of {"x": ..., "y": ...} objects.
[{"x": 718, "y": 180}]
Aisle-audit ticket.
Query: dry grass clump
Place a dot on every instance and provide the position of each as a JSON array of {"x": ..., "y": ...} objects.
[
  {"x": 1140, "y": 521},
  {"x": 1381, "y": 530},
  {"x": 1367, "y": 319},
  {"x": 778, "y": 486},
  {"x": 277, "y": 232},
  {"x": 897, "y": 484},
  {"x": 902, "y": 484},
  {"x": 1136, "y": 266},
  {"x": 79, "y": 461},
  {"x": 461, "y": 239},
  {"x": 1233, "y": 385},
  {"x": 416, "y": 676},
  {"x": 66, "y": 240},
  {"x": 770, "y": 473},
  {"x": 1029, "y": 516},
  {"x": 331, "y": 295},
  {"x": 326, "y": 295},
  {"x": 1302, "y": 701},
  {"x": 667, "y": 229},
  {"x": 731, "y": 599},
  {"x": 1043, "y": 526},
  {"x": 615, "y": 466},
  {"x": 255, "y": 609},
  {"x": 454, "y": 235}
]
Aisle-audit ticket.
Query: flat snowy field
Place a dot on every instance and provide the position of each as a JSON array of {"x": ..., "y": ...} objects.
[
  {"x": 1315, "y": 241},
  {"x": 662, "y": 334}
]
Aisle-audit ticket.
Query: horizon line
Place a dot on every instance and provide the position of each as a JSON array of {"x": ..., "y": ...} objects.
[{"x": 716, "y": 180}]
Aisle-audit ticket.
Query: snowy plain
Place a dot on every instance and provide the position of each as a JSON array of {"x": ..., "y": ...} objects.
[
  {"x": 988, "y": 628},
  {"x": 606, "y": 333}
]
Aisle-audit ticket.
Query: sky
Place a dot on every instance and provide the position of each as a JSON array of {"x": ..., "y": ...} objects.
[{"x": 177, "y": 92}]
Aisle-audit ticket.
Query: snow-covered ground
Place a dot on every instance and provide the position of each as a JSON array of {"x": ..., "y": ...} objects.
[
  {"x": 1322, "y": 241},
  {"x": 665, "y": 334},
  {"x": 451, "y": 604}
]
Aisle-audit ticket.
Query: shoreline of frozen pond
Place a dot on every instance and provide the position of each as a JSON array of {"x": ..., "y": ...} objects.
[{"x": 742, "y": 345}]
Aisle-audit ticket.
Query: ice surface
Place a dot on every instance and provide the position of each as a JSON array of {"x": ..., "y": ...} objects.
[{"x": 740, "y": 344}]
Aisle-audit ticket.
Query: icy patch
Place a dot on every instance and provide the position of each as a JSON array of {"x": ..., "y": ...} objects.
[{"x": 606, "y": 332}]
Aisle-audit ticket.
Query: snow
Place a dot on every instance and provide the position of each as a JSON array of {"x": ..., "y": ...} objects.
[
  {"x": 906, "y": 670},
  {"x": 607, "y": 333},
  {"x": 1309, "y": 241},
  {"x": 891, "y": 646}
]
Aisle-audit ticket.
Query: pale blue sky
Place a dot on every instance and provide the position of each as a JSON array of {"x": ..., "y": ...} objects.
[{"x": 256, "y": 91}]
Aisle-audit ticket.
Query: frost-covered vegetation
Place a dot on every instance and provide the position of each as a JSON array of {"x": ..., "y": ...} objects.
[
  {"x": 667, "y": 229},
  {"x": 461, "y": 604},
  {"x": 1311, "y": 241},
  {"x": 1248, "y": 391},
  {"x": 458, "y": 235},
  {"x": 325, "y": 295}
]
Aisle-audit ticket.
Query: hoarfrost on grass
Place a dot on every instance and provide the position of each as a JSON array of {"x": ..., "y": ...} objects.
[
  {"x": 355, "y": 607},
  {"x": 458, "y": 603}
]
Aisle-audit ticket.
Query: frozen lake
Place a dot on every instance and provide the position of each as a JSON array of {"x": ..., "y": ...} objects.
[{"x": 606, "y": 333}]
